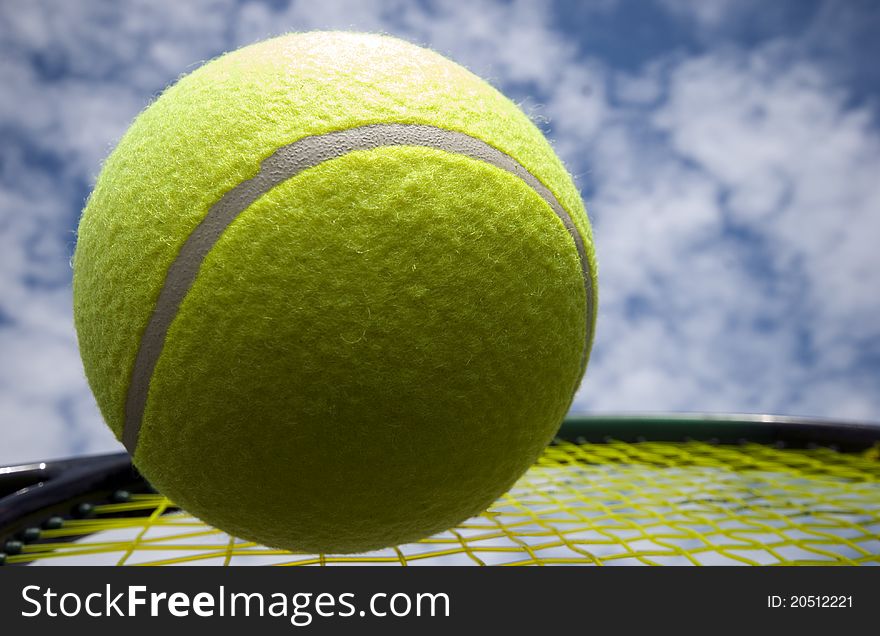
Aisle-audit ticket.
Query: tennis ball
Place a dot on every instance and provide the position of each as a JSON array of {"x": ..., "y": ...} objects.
[{"x": 333, "y": 292}]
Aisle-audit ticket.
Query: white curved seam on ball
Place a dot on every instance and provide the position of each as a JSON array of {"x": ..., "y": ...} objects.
[{"x": 285, "y": 163}]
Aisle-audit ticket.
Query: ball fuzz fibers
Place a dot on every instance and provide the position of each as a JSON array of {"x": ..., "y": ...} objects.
[{"x": 334, "y": 292}]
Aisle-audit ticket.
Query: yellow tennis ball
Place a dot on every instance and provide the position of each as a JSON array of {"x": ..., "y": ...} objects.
[{"x": 334, "y": 292}]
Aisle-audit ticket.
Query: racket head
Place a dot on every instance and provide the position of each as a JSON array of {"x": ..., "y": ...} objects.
[{"x": 661, "y": 489}]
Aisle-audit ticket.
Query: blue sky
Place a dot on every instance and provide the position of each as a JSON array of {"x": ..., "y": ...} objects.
[{"x": 728, "y": 152}]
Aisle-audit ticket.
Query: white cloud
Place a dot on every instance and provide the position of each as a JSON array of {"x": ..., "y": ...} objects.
[
  {"x": 32, "y": 431},
  {"x": 47, "y": 411},
  {"x": 785, "y": 144},
  {"x": 708, "y": 14},
  {"x": 258, "y": 21},
  {"x": 638, "y": 89},
  {"x": 745, "y": 219}
]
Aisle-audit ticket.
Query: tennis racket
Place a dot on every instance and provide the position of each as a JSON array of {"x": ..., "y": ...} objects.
[{"x": 610, "y": 490}]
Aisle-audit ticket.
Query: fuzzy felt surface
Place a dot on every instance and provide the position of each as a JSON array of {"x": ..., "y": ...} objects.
[{"x": 375, "y": 349}]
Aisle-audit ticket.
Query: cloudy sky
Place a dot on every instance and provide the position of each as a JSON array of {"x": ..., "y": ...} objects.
[{"x": 728, "y": 152}]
